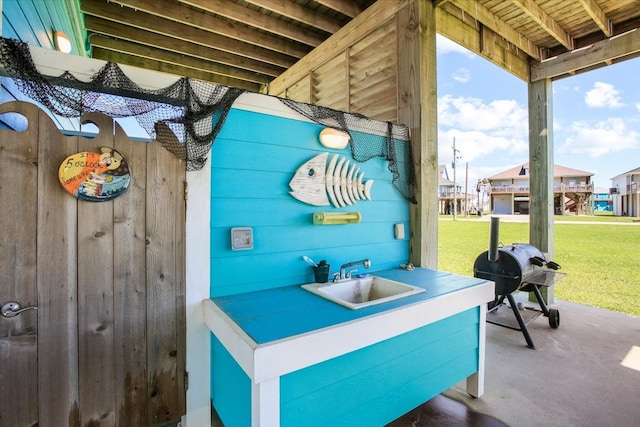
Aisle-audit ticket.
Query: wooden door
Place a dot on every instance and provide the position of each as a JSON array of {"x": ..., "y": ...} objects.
[{"x": 106, "y": 345}]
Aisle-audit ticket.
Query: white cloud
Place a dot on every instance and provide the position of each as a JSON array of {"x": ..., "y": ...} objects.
[
  {"x": 501, "y": 117},
  {"x": 462, "y": 75},
  {"x": 474, "y": 144},
  {"x": 560, "y": 88},
  {"x": 603, "y": 95},
  {"x": 498, "y": 129},
  {"x": 445, "y": 45},
  {"x": 607, "y": 136}
]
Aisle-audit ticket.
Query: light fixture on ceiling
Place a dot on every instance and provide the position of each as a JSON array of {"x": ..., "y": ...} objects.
[
  {"x": 333, "y": 138},
  {"x": 61, "y": 42}
]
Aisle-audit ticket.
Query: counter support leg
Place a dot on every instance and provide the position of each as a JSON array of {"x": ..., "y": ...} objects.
[
  {"x": 475, "y": 382},
  {"x": 265, "y": 403}
]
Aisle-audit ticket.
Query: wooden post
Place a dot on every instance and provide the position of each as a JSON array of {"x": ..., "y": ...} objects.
[
  {"x": 541, "y": 170},
  {"x": 417, "y": 108}
]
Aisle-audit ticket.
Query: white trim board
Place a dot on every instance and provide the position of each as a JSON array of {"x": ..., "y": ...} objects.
[{"x": 262, "y": 362}]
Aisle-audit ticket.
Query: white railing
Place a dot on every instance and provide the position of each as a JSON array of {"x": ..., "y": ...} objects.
[{"x": 566, "y": 188}]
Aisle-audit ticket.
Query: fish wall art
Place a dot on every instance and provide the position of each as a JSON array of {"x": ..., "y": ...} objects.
[
  {"x": 337, "y": 183},
  {"x": 95, "y": 177}
]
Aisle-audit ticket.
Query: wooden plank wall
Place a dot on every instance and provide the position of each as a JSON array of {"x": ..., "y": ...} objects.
[
  {"x": 354, "y": 70},
  {"x": 110, "y": 283},
  {"x": 373, "y": 70},
  {"x": 329, "y": 82},
  {"x": 371, "y": 386},
  {"x": 359, "y": 79},
  {"x": 18, "y": 275},
  {"x": 253, "y": 159}
]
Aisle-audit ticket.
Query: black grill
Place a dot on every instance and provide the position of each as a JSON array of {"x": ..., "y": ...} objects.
[{"x": 517, "y": 267}]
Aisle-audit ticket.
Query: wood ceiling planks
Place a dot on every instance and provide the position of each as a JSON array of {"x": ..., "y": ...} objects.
[{"x": 252, "y": 42}]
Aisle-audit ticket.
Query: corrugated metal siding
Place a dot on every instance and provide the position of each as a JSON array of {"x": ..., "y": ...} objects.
[{"x": 253, "y": 159}]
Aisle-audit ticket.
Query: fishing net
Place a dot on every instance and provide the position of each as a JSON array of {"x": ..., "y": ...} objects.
[
  {"x": 186, "y": 116},
  {"x": 369, "y": 139}
]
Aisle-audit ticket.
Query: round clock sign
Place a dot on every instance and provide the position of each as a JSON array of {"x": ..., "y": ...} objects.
[{"x": 96, "y": 177}]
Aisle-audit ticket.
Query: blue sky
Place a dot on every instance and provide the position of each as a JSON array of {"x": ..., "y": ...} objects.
[{"x": 596, "y": 117}]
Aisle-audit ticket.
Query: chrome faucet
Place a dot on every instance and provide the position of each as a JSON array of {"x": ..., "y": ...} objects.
[{"x": 365, "y": 263}]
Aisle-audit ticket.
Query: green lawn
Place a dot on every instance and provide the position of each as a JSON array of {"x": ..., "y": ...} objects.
[{"x": 602, "y": 261}]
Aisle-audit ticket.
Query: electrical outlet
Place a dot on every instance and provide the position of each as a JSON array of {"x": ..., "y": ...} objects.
[{"x": 241, "y": 238}]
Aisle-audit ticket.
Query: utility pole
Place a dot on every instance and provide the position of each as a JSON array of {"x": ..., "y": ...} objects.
[
  {"x": 455, "y": 186},
  {"x": 466, "y": 189}
]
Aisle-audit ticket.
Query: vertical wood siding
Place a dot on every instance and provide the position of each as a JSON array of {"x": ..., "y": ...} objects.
[
  {"x": 253, "y": 159},
  {"x": 18, "y": 273},
  {"x": 108, "y": 280}
]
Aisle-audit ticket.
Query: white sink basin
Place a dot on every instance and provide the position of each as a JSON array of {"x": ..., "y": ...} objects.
[{"x": 362, "y": 292}]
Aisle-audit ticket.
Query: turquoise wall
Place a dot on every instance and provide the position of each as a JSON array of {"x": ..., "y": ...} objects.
[
  {"x": 253, "y": 159},
  {"x": 230, "y": 387},
  {"x": 377, "y": 384},
  {"x": 369, "y": 387}
]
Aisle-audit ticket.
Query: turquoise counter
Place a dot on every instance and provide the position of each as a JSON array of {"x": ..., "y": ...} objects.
[{"x": 297, "y": 350}]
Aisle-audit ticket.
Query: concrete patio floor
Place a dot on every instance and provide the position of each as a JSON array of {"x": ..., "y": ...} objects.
[{"x": 585, "y": 373}]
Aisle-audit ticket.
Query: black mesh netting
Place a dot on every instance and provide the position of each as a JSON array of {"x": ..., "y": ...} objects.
[
  {"x": 186, "y": 116},
  {"x": 369, "y": 139}
]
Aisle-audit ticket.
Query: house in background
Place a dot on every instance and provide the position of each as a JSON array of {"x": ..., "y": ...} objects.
[
  {"x": 449, "y": 191},
  {"x": 446, "y": 189},
  {"x": 625, "y": 189},
  {"x": 602, "y": 200},
  {"x": 572, "y": 188}
]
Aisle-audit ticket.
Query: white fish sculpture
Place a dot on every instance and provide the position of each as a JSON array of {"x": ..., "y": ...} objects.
[{"x": 315, "y": 182}]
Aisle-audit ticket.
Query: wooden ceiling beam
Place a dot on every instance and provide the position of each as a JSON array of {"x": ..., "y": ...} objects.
[
  {"x": 598, "y": 16},
  {"x": 205, "y": 21},
  {"x": 155, "y": 24},
  {"x": 182, "y": 47},
  {"x": 464, "y": 30},
  {"x": 51, "y": 64},
  {"x": 299, "y": 13},
  {"x": 153, "y": 53},
  {"x": 545, "y": 21},
  {"x": 625, "y": 45},
  {"x": 138, "y": 62},
  {"x": 255, "y": 19},
  {"x": 484, "y": 15},
  {"x": 345, "y": 7}
]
